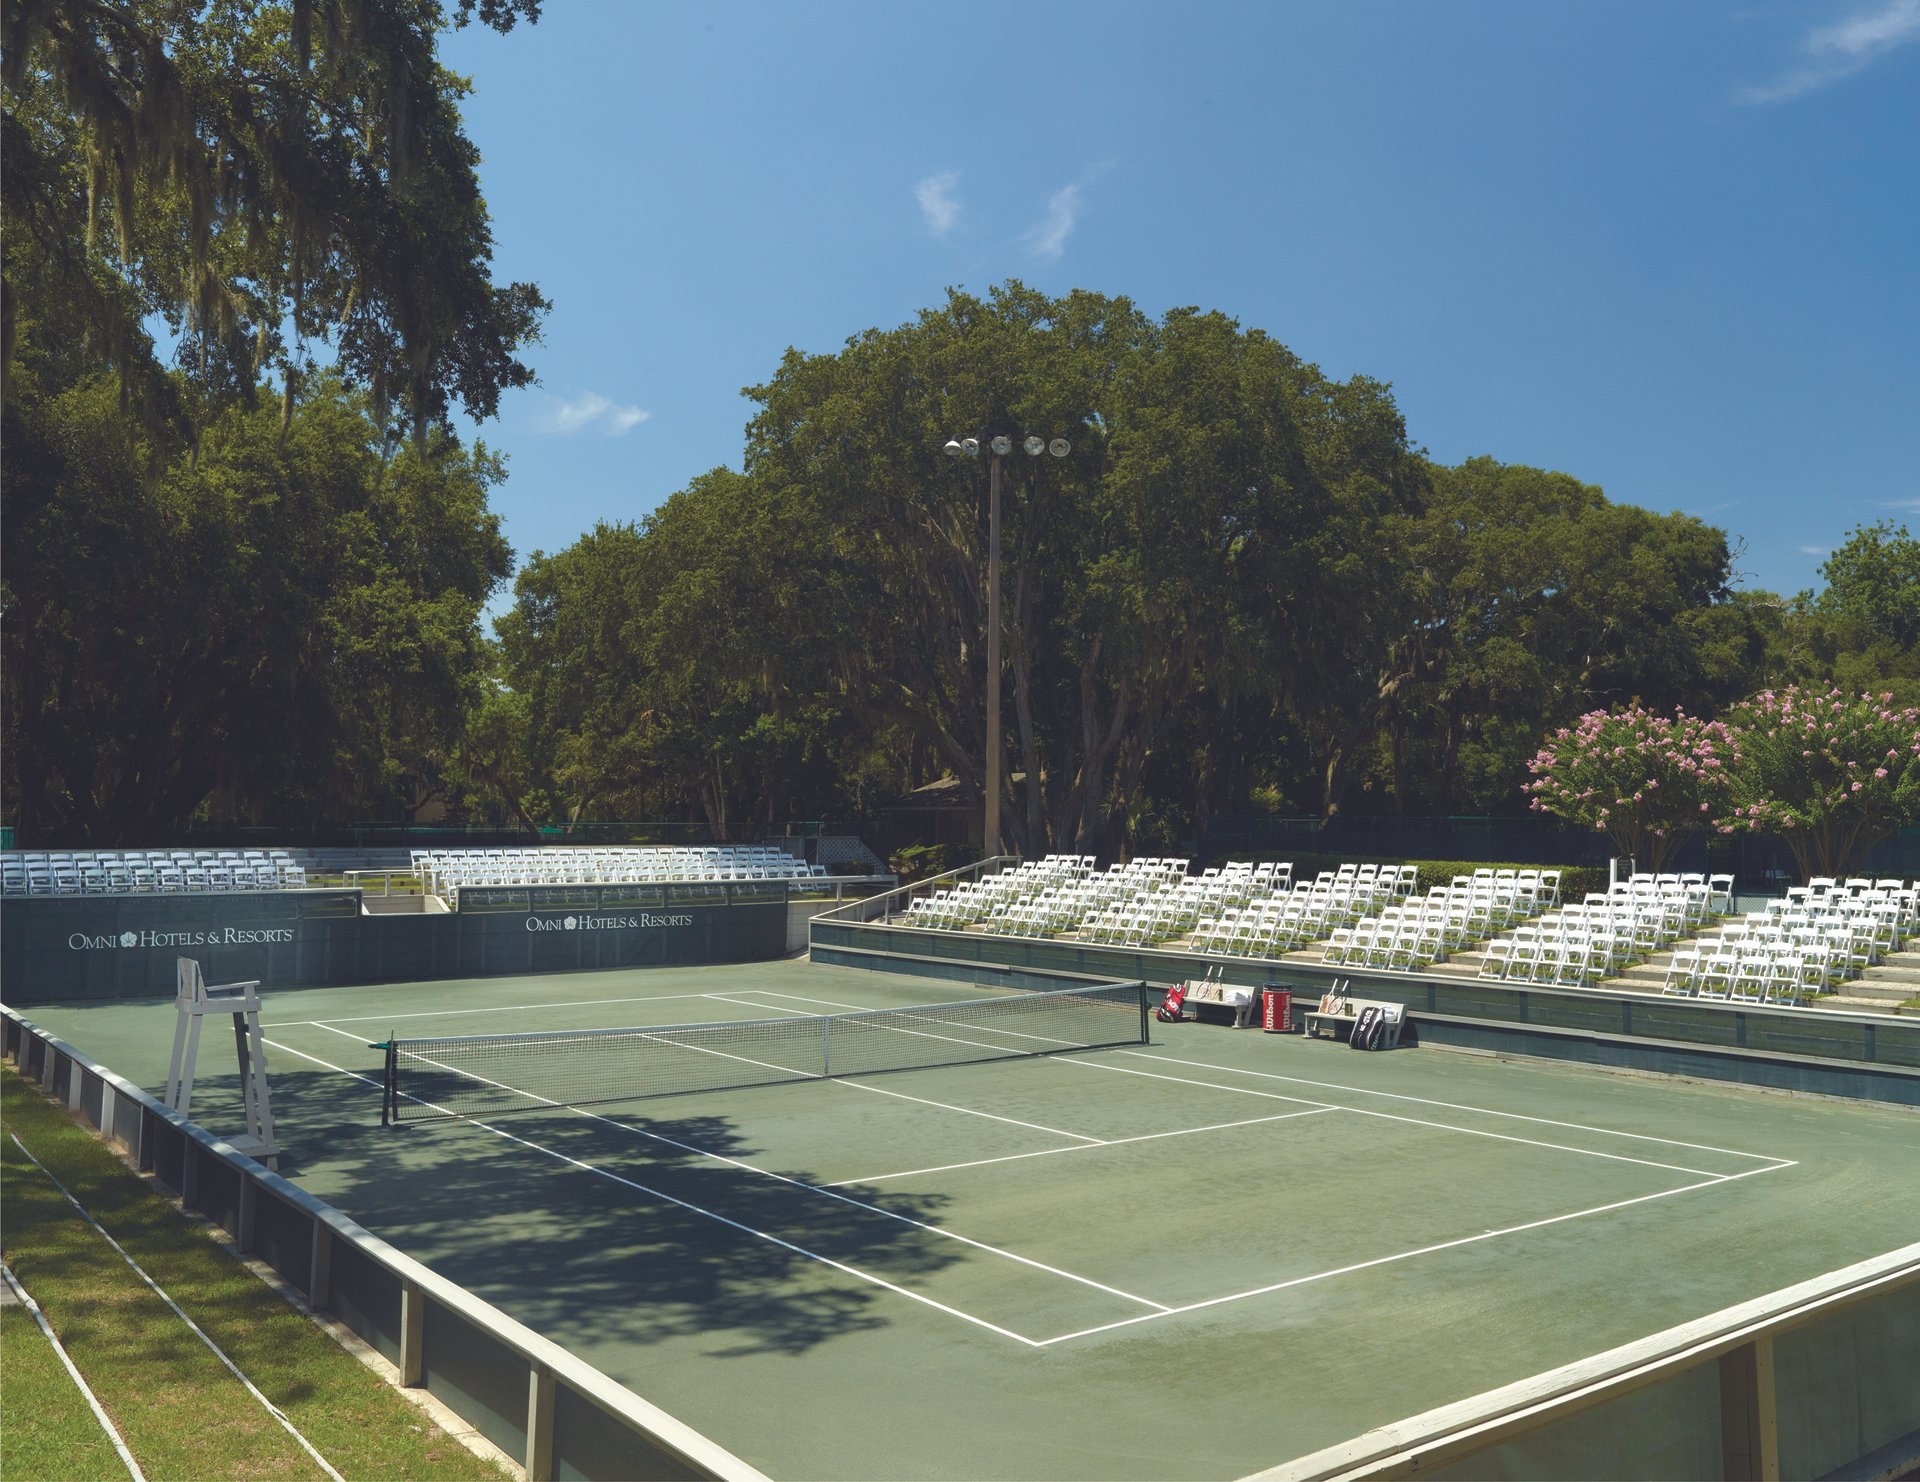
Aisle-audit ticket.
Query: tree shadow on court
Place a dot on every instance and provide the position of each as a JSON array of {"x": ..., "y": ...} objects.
[{"x": 629, "y": 1228}]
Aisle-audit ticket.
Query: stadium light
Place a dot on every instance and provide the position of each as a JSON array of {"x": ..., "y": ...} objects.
[{"x": 1000, "y": 445}]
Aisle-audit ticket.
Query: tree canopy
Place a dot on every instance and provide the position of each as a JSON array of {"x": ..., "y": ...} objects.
[
  {"x": 246, "y": 286},
  {"x": 284, "y": 186},
  {"x": 1242, "y": 582}
]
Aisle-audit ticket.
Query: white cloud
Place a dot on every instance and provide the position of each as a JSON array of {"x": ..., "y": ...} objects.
[
  {"x": 1048, "y": 238},
  {"x": 1816, "y": 550},
  {"x": 938, "y": 202},
  {"x": 565, "y": 418},
  {"x": 1838, "y": 50}
]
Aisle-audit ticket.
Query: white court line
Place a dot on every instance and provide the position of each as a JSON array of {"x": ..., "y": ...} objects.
[
  {"x": 966, "y": 1111},
  {"x": 1405, "y": 1256},
  {"x": 1161, "y": 1310},
  {"x": 1421, "y": 1101},
  {"x": 1113, "y": 1142},
  {"x": 1361, "y": 1111},
  {"x": 286, "y": 1422},
  {"x": 512, "y": 1008},
  {"x": 794, "y": 1183},
  {"x": 598, "y": 1172},
  {"x": 1268, "y": 1075},
  {"x": 32, "y": 1309}
]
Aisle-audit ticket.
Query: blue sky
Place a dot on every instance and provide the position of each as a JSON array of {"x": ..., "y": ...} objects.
[{"x": 1667, "y": 248}]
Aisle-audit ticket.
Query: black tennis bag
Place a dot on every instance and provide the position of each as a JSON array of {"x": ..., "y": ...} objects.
[{"x": 1369, "y": 1030}]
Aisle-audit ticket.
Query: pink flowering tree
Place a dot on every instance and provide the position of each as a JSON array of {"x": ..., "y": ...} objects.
[
  {"x": 1645, "y": 780},
  {"x": 1830, "y": 773}
]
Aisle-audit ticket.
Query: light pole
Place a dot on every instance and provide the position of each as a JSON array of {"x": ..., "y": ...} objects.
[{"x": 999, "y": 445}]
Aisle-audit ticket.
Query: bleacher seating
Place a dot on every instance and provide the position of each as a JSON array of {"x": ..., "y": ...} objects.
[
  {"x": 1417, "y": 932},
  {"x": 1295, "y": 913},
  {"x": 1608, "y": 932},
  {"x": 147, "y": 871},
  {"x": 1812, "y": 940},
  {"x": 443, "y": 872}
]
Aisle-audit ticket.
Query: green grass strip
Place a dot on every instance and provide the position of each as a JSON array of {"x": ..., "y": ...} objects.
[
  {"x": 50, "y": 1433},
  {"x": 182, "y": 1414}
]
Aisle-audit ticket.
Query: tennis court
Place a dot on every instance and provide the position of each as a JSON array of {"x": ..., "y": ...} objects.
[{"x": 1193, "y": 1258}]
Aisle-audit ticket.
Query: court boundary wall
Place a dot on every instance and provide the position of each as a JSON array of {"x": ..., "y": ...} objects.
[
  {"x": 1817, "y": 1051},
  {"x": 526, "y": 1394},
  {"x": 1814, "y": 1380}
]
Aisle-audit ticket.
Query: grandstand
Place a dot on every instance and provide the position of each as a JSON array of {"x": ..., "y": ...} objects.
[
  {"x": 148, "y": 871},
  {"x": 443, "y": 872},
  {"x": 1830, "y": 941},
  {"x": 67, "y": 872}
]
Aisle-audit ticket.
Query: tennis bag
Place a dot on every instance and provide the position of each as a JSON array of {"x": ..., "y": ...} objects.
[
  {"x": 1169, "y": 1010},
  {"x": 1369, "y": 1030}
]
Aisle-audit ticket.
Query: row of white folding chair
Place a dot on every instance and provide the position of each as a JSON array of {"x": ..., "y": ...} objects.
[
  {"x": 1040, "y": 915},
  {"x": 1453, "y": 918},
  {"x": 1629, "y": 935},
  {"x": 1886, "y": 918},
  {"x": 1679, "y": 913},
  {"x": 1850, "y": 942},
  {"x": 1573, "y": 960},
  {"x": 1262, "y": 928},
  {"x": 1880, "y": 926},
  {"x": 1693, "y": 898},
  {"x": 1719, "y": 888},
  {"x": 1499, "y": 905},
  {"x": 1824, "y": 886},
  {"x": 973, "y": 900},
  {"x": 139, "y": 877},
  {"x": 1902, "y": 905},
  {"x": 969, "y": 901},
  {"x": 1535, "y": 883},
  {"x": 1652, "y": 923},
  {"x": 1783, "y": 973},
  {"x": 1394, "y": 879},
  {"x": 1385, "y": 944},
  {"x": 1251, "y": 931}
]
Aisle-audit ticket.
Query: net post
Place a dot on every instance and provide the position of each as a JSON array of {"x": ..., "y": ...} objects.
[
  {"x": 390, "y": 1087},
  {"x": 1146, "y": 1021},
  {"x": 826, "y": 1044}
]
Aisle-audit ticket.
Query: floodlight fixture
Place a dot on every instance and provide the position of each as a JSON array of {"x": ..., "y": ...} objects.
[
  {"x": 970, "y": 446},
  {"x": 1034, "y": 446},
  {"x": 953, "y": 448},
  {"x": 1059, "y": 447},
  {"x": 1002, "y": 445}
]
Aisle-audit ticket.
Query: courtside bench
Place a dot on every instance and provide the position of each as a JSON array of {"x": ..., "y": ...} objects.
[
  {"x": 1340, "y": 1025},
  {"x": 1226, "y": 997}
]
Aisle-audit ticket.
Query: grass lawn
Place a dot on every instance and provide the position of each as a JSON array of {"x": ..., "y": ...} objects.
[{"x": 180, "y": 1410}]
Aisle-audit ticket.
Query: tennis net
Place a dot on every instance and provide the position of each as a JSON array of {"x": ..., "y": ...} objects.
[{"x": 492, "y": 1074}]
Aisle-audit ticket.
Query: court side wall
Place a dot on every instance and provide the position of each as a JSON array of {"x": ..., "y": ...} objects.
[
  {"x": 528, "y": 1396},
  {"x": 1817, "y": 1380},
  {"x": 59, "y": 949}
]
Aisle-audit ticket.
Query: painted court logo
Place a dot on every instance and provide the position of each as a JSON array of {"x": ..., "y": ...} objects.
[{"x": 606, "y": 923}]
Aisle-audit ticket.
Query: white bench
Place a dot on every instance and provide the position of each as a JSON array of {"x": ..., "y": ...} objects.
[
  {"x": 1229, "y": 997},
  {"x": 1340, "y": 1026}
]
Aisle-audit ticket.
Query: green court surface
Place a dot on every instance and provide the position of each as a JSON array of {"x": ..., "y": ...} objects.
[{"x": 1197, "y": 1258}]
